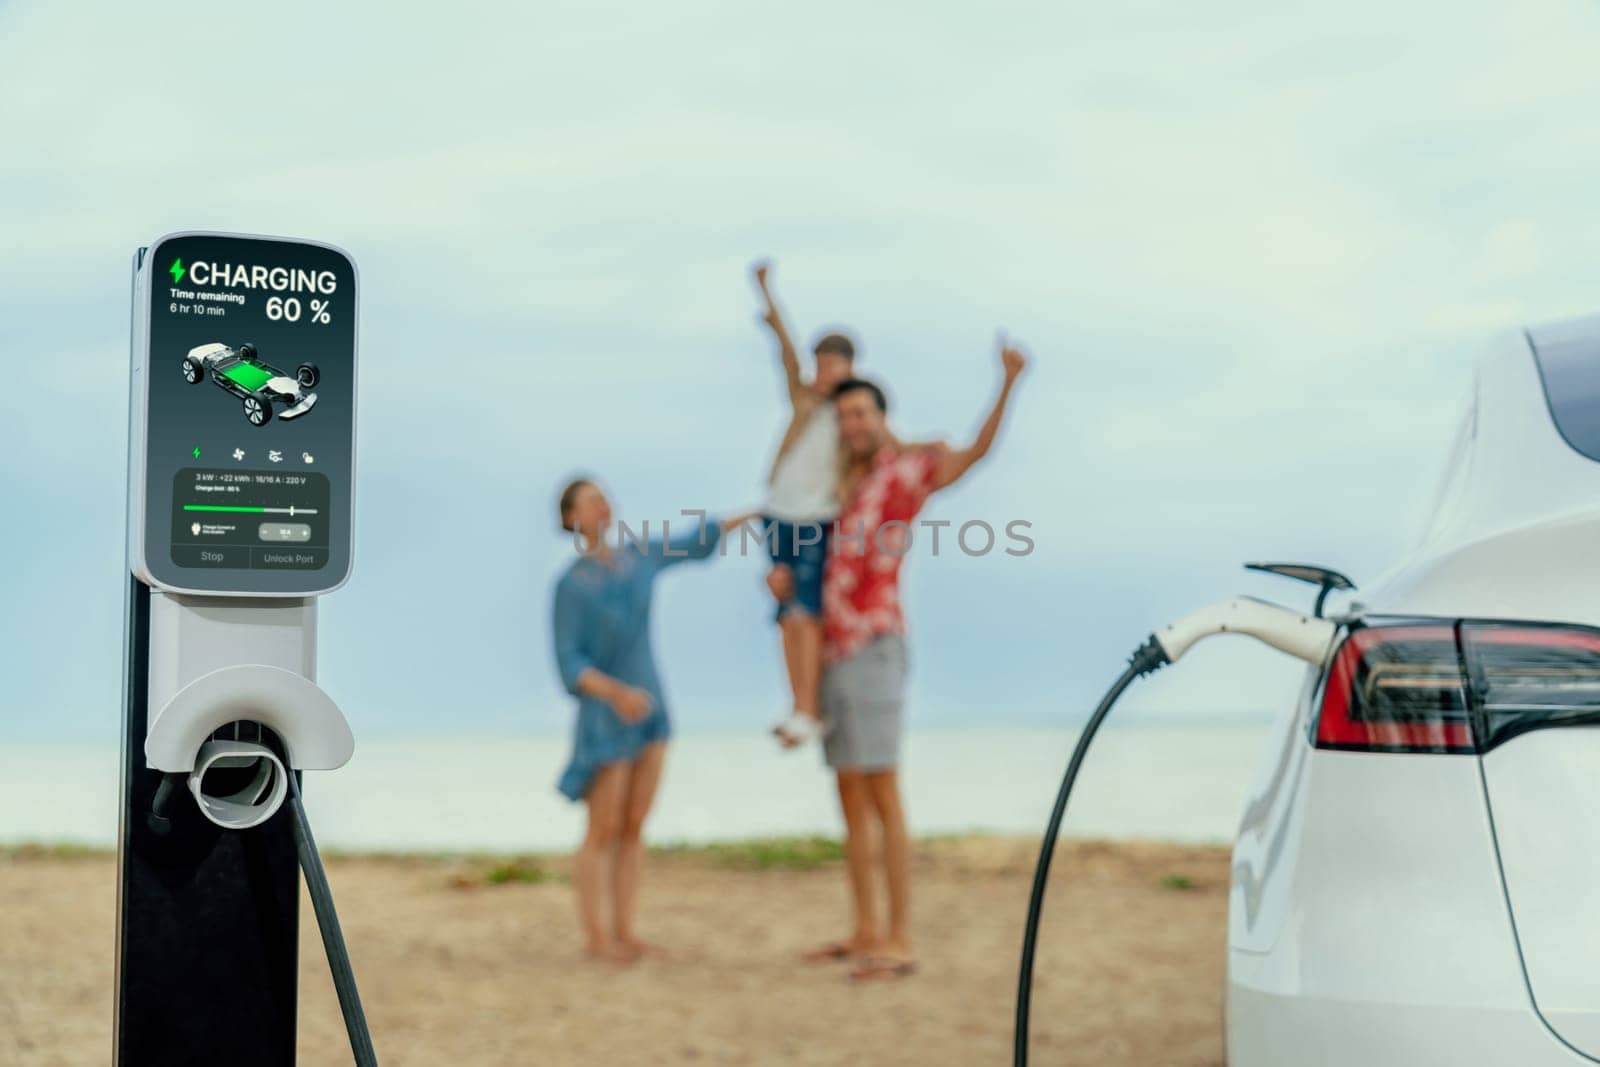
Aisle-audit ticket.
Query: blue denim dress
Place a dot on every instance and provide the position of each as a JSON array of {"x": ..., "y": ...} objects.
[{"x": 602, "y": 620}]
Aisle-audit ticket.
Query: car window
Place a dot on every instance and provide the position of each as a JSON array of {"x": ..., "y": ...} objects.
[{"x": 1568, "y": 357}]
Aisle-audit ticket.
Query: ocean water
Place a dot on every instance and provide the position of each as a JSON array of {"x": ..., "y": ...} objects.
[{"x": 1158, "y": 780}]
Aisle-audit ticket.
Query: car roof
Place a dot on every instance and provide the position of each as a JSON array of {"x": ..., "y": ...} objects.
[{"x": 1510, "y": 522}]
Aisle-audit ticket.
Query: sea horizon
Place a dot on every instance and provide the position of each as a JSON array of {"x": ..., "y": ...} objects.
[{"x": 1158, "y": 778}]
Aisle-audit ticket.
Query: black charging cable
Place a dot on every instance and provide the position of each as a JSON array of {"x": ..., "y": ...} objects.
[
  {"x": 344, "y": 976},
  {"x": 160, "y": 817},
  {"x": 1150, "y": 656}
]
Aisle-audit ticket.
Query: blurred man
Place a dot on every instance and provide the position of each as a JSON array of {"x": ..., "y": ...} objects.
[{"x": 884, "y": 487}]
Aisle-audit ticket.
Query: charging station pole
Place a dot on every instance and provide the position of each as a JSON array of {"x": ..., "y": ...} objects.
[{"x": 240, "y": 494}]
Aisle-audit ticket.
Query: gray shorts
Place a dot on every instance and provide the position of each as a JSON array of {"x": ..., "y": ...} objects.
[{"x": 862, "y": 701}]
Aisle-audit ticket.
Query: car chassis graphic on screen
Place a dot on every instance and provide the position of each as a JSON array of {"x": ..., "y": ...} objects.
[{"x": 253, "y": 380}]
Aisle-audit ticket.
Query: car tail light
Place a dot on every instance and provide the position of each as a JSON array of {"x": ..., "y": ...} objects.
[
  {"x": 1524, "y": 677},
  {"x": 1440, "y": 687},
  {"x": 1396, "y": 689}
]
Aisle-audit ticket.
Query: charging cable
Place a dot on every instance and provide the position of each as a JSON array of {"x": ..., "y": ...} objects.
[
  {"x": 1149, "y": 657},
  {"x": 1300, "y": 635},
  {"x": 344, "y": 976}
]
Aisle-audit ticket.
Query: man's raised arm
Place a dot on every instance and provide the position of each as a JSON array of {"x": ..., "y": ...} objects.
[
  {"x": 954, "y": 462},
  {"x": 774, "y": 320}
]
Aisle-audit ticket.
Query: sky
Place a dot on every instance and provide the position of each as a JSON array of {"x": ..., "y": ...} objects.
[{"x": 1251, "y": 247}]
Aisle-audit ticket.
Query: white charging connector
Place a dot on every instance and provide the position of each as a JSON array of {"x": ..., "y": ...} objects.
[
  {"x": 1300, "y": 635},
  {"x": 1303, "y": 636},
  {"x": 250, "y": 802}
]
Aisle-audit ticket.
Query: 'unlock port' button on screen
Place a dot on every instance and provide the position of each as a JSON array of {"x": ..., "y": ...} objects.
[
  {"x": 250, "y": 520},
  {"x": 296, "y": 559}
]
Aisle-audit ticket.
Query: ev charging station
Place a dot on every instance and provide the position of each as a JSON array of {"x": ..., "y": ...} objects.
[{"x": 241, "y": 475}]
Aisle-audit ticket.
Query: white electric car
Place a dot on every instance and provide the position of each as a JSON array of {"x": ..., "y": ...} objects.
[{"x": 1416, "y": 879}]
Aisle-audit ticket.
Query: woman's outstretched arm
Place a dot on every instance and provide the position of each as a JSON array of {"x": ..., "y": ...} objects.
[{"x": 678, "y": 546}]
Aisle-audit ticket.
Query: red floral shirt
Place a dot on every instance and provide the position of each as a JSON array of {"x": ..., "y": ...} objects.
[{"x": 861, "y": 582}]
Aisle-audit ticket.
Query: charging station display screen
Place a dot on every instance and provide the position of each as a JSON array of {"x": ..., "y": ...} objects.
[{"x": 249, "y": 378}]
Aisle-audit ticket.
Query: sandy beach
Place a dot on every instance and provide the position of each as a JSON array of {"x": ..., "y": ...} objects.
[{"x": 478, "y": 961}]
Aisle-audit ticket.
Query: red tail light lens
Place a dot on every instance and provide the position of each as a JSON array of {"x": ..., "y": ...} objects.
[
  {"x": 1439, "y": 687},
  {"x": 1396, "y": 689}
]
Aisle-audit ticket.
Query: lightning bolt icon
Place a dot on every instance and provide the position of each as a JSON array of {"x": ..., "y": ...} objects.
[{"x": 176, "y": 270}]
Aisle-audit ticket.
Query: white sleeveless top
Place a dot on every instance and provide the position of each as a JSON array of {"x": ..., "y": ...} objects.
[{"x": 805, "y": 482}]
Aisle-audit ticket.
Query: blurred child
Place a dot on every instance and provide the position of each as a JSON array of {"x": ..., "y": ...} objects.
[{"x": 801, "y": 504}]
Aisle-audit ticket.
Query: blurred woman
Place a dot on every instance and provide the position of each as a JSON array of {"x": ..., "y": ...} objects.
[{"x": 602, "y": 639}]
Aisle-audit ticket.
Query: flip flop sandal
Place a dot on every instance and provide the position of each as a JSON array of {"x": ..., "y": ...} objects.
[{"x": 877, "y": 967}]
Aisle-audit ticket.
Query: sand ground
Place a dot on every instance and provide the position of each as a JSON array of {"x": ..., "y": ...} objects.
[{"x": 456, "y": 968}]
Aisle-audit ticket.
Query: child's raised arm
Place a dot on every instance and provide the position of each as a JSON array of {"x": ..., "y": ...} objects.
[{"x": 774, "y": 320}]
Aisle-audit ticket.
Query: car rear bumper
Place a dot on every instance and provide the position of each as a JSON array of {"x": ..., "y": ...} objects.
[
  {"x": 1368, "y": 924},
  {"x": 1266, "y": 1029}
]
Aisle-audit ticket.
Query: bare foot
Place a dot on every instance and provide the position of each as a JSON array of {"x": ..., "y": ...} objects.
[
  {"x": 606, "y": 952},
  {"x": 636, "y": 949},
  {"x": 848, "y": 949}
]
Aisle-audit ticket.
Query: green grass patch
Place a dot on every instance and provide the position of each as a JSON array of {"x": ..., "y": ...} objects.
[
  {"x": 504, "y": 870},
  {"x": 519, "y": 871},
  {"x": 1177, "y": 882},
  {"x": 766, "y": 854}
]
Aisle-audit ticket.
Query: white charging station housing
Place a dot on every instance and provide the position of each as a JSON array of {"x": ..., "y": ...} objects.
[
  {"x": 198, "y": 686},
  {"x": 241, "y": 478}
]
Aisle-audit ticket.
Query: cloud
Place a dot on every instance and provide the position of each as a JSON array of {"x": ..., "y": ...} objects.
[{"x": 1251, "y": 247}]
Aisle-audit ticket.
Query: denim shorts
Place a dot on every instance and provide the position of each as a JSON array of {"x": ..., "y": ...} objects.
[{"x": 803, "y": 548}]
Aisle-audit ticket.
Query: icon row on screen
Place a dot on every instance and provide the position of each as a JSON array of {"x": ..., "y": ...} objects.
[{"x": 274, "y": 455}]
